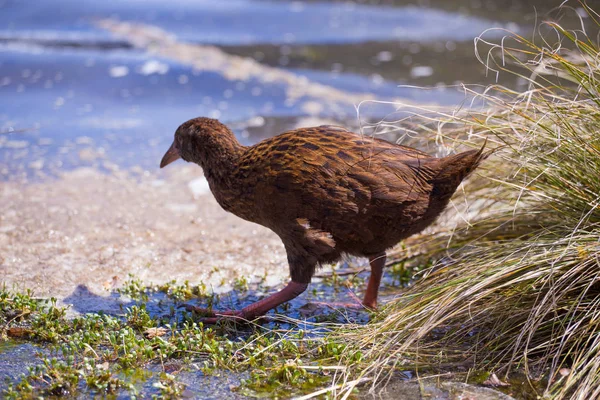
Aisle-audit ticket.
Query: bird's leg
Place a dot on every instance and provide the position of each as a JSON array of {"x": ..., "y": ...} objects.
[
  {"x": 370, "y": 300},
  {"x": 377, "y": 263},
  {"x": 291, "y": 291},
  {"x": 261, "y": 307}
]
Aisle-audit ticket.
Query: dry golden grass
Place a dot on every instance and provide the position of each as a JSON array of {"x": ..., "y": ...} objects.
[{"x": 518, "y": 287}]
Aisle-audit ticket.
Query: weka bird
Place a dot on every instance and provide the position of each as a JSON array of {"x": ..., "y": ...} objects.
[{"x": 325, "y": 191}]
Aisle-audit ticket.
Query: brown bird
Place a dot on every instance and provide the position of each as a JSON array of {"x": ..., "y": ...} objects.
[{"x": 325, "y": 191}]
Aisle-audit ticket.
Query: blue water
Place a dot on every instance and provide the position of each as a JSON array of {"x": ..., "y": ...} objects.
[
  {"x": 73, "y": 94},
  {"x": 240, "y": 21}
]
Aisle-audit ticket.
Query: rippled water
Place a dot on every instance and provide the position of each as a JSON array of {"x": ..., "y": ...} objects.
[
  {"x": 75, "y": 89},
  {"x": 244, "y": 21},
  {"x": 73, "y": 92}
]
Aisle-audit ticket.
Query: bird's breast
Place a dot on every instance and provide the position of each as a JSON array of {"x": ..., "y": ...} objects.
[{"x": 237, "y": 199}]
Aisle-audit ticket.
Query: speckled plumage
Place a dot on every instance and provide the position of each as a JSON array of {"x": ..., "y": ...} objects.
[{"x": 325, "y": 190}]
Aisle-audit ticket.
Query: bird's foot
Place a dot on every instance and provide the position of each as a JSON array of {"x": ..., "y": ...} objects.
[{"x": 252, "y": 311}]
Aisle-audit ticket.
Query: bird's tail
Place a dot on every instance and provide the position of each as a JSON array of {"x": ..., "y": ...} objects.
[{"x": 454, "y": 169}]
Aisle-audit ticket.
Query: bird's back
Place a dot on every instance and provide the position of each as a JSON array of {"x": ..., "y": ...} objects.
[{"x": 365, "y": 193}]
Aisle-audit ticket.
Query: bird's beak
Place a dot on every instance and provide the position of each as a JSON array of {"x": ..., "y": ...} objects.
[{"x": 171, "y": 155}]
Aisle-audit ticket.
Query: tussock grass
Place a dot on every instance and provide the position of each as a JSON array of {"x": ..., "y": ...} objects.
[{"x": 518, "y": 286}]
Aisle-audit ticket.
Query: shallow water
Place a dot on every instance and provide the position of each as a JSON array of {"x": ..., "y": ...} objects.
[
  {"x": 246, "y": 21},
  {"x": 16, "y": 357},
  {"x": 74, "y": 92}
]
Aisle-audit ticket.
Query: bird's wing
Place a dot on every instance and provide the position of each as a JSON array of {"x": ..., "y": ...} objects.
[{"x": 327, "y": 170}]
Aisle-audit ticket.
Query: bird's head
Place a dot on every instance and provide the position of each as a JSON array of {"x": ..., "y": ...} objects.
[{"x": 196, "y": 139}]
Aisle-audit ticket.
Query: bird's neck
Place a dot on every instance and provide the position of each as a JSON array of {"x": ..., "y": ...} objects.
[{"x": 219, "y": 158}]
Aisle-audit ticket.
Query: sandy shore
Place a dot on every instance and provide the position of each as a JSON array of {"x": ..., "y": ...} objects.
[{"x": 94, "y": 229}]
